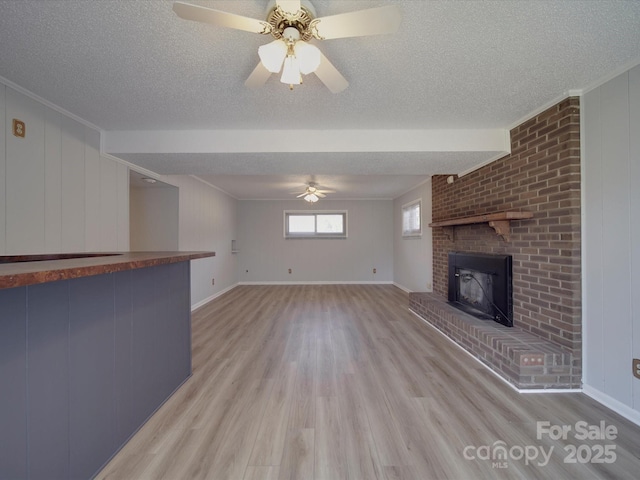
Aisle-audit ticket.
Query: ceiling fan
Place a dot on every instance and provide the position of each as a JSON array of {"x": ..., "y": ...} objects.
[
  {"x": 312, "y": 193},
  {"x": 293, "y": 24}
]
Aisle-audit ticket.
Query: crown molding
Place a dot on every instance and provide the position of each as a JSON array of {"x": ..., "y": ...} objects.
[
  {"x": 610, "y": 76},
  {"x": 47, "y": 103},
  {"x": 195, "y": 177}
]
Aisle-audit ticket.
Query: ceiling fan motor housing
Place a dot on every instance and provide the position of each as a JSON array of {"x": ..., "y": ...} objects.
[{"x": 302, "y": 21}]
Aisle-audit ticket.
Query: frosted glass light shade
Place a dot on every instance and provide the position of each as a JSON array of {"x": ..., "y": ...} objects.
[
  {"x": 308, "y": 57},
  {"x": 312, "y": 198},
  {"x": 291, "y": 71},
  {"x": 272, "y": 55}
]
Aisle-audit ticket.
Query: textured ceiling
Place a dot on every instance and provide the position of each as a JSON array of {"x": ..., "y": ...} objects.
[
  {"x": 271, "y": 176},
  {"x": 134, "y": 65},
  {"x": 349, "y": 187}
]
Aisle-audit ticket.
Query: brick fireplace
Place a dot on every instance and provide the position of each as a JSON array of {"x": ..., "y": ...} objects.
[{"x": 541, "y": 176}]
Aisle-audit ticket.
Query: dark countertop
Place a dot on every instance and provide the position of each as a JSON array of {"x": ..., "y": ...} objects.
[{"x": 23, "y": 270}]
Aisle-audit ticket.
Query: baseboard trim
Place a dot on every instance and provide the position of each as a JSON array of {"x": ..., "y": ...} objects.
[
  {"x": 320, "y": 282},
  {"x": 550, "y": 390},
  {"x": 402, "y": 287},
  {"x": 202, "y": 303},
  {"x": 613, "y": 404}
]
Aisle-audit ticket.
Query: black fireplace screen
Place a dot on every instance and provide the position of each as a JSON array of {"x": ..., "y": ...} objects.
[{"x": 481, "y": 284}]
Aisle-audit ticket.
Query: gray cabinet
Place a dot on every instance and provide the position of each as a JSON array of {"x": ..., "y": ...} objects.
[
  {"x": 145, "y": 331},
  {"x": 13, "y": 400},
  {"x": 48, "y": 351},
  {"x": 161, "y": 335},
  {"x": 91, "y": 368},
  {"x": 84, "y": 363},
  {"x": 125, "y": 423}
]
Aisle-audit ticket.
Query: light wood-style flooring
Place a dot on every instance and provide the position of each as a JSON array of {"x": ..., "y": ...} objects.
[{"x": 344, "y": 382}]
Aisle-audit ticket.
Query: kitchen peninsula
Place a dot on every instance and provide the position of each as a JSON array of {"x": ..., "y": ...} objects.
[{"x": 90, "y": 346}]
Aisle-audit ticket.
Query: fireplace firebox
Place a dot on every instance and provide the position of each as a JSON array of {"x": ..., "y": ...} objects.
[{"x": 481, "y": 285}]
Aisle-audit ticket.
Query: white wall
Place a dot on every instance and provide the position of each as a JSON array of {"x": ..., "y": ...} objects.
[
  {"x": 611, "y": 241},
  {"x": 154, "y": 218},
  {"x": 265, "y": 256},
  {"x": 57, "y": 193},
  {"x": 207, "y": 222},
  {"x": 413, "y": 256}
]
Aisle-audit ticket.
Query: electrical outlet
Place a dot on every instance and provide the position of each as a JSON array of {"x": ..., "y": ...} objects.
[
  {"x": 636, "y": 367},
  {"x": 19, "y": 128},
  {"x": 374, "y": 270},
  {"x": 289, "y": 270}
]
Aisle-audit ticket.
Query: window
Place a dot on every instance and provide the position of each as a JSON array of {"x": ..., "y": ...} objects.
[
  {"x": 325, "y": 224},
  {"x": 411, "y": 221}
]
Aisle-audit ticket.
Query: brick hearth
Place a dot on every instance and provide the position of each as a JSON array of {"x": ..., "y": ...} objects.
[
  {"x": 542, "y": 176},
  {"x": 523, "y": 359}
]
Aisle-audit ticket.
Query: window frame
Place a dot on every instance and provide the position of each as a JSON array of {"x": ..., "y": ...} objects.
[
  {"x": 407, "y": 207},
  {"x": 315, "y": 213}
]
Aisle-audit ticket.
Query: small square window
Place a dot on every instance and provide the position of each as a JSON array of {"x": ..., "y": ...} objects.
[{"x": 411, "y": 219}]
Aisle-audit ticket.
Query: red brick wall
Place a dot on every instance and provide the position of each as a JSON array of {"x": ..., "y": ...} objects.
[{"x": 541, "y": 175}]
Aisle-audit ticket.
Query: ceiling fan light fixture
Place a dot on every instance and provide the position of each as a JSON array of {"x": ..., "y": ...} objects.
[
  {"x": 272, "y": 55},
  {"x": 295, "y": 23},
  {"x": 311, "y": 198},
  {"x": 308, "y": 57},
  {"x": 291, "y": 35},
  {"x": 291, "y": 71}
]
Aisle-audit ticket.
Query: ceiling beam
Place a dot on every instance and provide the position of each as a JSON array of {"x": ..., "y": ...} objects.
[{"x": 254, "y": 141}]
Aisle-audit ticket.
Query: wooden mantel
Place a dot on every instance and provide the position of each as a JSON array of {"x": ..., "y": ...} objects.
[{"x": 500, "y": 222}]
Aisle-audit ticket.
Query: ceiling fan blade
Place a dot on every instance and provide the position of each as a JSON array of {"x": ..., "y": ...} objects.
[
  {"x": 258, "y": 77},
  {"x": 301, "y": 195},
  {"x": 197, "y": 13},
  {"x": 318, "y": 194},
  {"x": 330, "y": 76},
  {"x": 289, "y": 6},
  {"x": 373, "y": 21},
  {"x": 326, "y": 191}
]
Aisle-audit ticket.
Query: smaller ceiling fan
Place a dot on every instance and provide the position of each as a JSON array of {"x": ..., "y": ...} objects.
[
  {"x": 293, "y": 24},
  {"x": 312, "y": 193}
]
